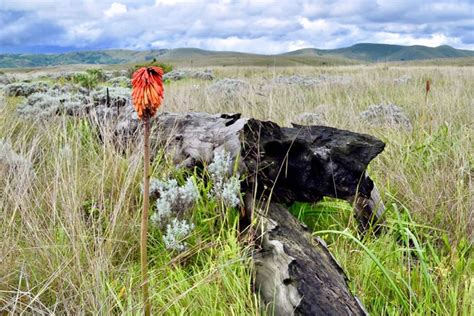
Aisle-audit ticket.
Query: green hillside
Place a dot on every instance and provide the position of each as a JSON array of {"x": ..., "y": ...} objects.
[
  {"x": 179, "y": 56},
  {"x": 203, "y": 58},
  {"x": 116, "y": 56},
  {"x": 198, "y": 57},
  {"x": 386, "y": 52}
]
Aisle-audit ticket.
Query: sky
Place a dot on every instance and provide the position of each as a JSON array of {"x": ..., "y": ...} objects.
[{"x": 259, "y": 26}]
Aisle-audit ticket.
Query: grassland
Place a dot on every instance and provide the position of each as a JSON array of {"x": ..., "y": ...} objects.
[{"x": 70, "y": 229}]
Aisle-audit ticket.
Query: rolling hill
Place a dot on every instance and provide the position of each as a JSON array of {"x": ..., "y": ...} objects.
[
  {"x": 364, "y": 52},
  {"x": 386, "y": 52}
]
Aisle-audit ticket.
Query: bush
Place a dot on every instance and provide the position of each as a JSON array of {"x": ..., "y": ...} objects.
[
  {"x": 90, "y": 79},
  {"x": 24, "y": 89},
  {"x": 120, "y": 81},
  {"x": 97, "y": 73},
  {"x": 166, "y": 67},
  {"x": 86, "y": 80},
  {"x": 49, "y": 103}
]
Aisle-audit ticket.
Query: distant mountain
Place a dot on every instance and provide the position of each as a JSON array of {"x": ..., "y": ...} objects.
[
  {"x": 198, "y": 57},
  {"x": 113, "y": 56},
  {"x": 204, "y": 58},
  {"x": 386, "y": 52},
  {"x": 180, "y": 56}
]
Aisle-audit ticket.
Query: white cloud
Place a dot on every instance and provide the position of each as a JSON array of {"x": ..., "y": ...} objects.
[
  {"x": 263, "y": 26},
  {"x": 319, "y": 25},
  {"x": 115, "y": 9},
  {"x": 433, "y": 40},
  {"x": 173, "y": 2},
  {"x": 85, "y": 32}
]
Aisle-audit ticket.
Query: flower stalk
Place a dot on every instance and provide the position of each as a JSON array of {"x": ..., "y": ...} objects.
[
  {"x": 144, "y": 222},
  {"x": 147, "y": 95}
]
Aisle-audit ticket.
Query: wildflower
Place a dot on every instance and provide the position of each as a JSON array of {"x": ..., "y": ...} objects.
[
  {"x": 147, "y": 92},
  {"x": 147, "y": 95}
]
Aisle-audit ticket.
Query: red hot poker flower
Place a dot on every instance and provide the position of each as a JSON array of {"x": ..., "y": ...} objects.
[
  {"x": 147, "y": 94},
  {"x": 147, "y": 91}
]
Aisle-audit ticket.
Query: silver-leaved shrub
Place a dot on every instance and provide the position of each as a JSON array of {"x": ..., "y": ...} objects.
[
  {"x": 173, "y": 201},
  {"x": 226, "y": 187},
  {"x": 176, "y": 232}
]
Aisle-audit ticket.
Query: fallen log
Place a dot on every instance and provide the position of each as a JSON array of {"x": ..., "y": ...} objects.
[{"x": 295, "y": 273}]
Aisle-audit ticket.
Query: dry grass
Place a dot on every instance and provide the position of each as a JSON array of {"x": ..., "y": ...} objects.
[{"x": 70, "y": 227}]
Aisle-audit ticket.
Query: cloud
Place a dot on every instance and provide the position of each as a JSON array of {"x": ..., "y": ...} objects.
[
  {"x": 264, "y": 26},
  {"x": 115, "y": 9},
  {"x": 22, "y": 28}
]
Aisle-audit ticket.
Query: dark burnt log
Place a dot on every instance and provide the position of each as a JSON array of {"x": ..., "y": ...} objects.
[
  {"x": 306, "y": 163},
  {"x": 296, "y": 273},
  {"x": 285, "y": 164},
  {"x": 282, "y": 165}
]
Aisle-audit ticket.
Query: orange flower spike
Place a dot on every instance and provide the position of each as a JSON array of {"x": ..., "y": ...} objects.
[{"x": 147, "y": 83}]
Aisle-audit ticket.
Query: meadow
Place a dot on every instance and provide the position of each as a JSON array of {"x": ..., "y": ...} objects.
[{"x": 70, "y": 214}]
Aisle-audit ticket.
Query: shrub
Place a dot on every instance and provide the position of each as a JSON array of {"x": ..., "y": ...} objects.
[
  {"x": 90, "y": 79},
  {"x": 386, "y": 115},
  {"x": 49, "y": 103},
  {"x": 24, "y": 89},
  {"x": 86, "y": 80},
  {"x": 97, "y": 73},
  {"x": 176, "y": 75},
  {"x": 166, "y": 67},
  {"x": 229, "y": 87},
  {"x": 226, "y": 187},
  {"x": 176, "y": 232},
  {"x": 174, "y": 200},
  {"x": 120, "y": 81},
  {"x": 118, "y": 96}
]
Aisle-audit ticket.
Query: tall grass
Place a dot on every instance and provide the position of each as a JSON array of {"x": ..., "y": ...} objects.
[{"x": 70, "y": 227}]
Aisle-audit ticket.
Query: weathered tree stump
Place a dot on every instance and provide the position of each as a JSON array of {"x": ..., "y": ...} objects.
[{"x": 295, "y": 273}]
